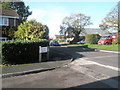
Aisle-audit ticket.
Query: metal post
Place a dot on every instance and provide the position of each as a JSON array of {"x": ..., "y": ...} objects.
[{"x": 40, "y": 54}]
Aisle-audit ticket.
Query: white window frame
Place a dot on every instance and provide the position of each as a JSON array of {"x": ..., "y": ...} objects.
[
  {"x": 14, "y": 22},
  {"x": 3, "y": 21},
  {"x": 1, "y": 24}
]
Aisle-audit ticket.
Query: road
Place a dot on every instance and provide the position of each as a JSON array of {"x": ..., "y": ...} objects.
[{"x": 91, "y": 69}]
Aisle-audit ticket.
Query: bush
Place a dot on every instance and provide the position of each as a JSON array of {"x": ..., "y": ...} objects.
[
  {"x": 8, "y": 31},
  {"x": 30, "y": 30},
  {"x": 22, "y": 51},
  {"x": 116, "y": 41},
  {"x": 92, "y": 38},
  {"x": 62, "y": 40}
]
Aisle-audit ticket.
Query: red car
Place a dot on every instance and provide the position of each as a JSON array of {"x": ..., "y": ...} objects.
[{"x": 107, "y": 39}]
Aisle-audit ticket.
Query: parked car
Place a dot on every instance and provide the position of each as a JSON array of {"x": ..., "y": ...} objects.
[
  {"x": 108, "y": 39},
  {"x": 81, "y": 42},
  {"x": 54, "y": 43}
]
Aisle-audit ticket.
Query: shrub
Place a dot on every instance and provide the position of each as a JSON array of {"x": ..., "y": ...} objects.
[
  {"x": 63, "y": 40},
  {"x": 116, "y": 40},
  {"x": 30, "y": 30},
  {"x": 22, "y": 51},
  {"x": 8, "y": 31},
  {"x": 92, "y": 38}
]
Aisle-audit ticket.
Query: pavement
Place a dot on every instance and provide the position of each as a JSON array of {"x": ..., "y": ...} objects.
[
  {"x": 32, "y": 68},
  {"x": 39, "y": 67}
]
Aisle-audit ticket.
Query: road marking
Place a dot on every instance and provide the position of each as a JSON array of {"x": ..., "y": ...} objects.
[
  {"x": 97, "y": 76},
  {"x": 101, "y": 57},
  {"x": 109, "y": 51},
  {"x": 78, "y": 66},
  {"x": 104, "y": 56}
]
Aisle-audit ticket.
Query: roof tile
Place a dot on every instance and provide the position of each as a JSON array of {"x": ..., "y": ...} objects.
[{"x": 6, "y": 12}]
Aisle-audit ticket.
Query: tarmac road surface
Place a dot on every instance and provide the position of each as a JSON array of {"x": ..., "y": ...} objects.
[{"x": 90, "y": 69}]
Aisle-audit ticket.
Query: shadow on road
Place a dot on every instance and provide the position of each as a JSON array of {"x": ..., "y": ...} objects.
[
  {"x": 89, "y": 86},
  {"x": 97, "y": 85}
]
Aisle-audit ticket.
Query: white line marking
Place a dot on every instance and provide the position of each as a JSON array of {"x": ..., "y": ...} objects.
[
  {"x": 101, "y": 57},
  {"x": 77, "y": 65},
  {"x": 109, "y": 51},
  {"x": 97, "y": 76},
  {"x": 82, "y": 61}
]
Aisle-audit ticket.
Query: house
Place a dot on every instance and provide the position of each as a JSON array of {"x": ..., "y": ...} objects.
[
  {"x": 8, "y": 18},
  {"x": 83, "y": 33},
  {"x": 59, "y": 37},
  {"x": 94, "y": 31}
]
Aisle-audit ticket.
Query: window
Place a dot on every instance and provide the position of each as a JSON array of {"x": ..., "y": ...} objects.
[
  {"x": 14, "y": 22},
  {"x": 3, "y": 21},
  {"x": 3, "y": 39},
  {"x": 105, "y": 37}
]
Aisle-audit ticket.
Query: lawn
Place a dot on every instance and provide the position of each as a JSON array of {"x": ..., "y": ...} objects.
[{"x": 109, "y": 47}]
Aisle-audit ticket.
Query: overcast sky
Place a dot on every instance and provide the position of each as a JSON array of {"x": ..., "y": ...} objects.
[{"x": 52, "y": 12}]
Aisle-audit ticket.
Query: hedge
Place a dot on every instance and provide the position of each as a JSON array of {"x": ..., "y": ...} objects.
[
  {"x": 20, "y": 52},
  {"x": 92, "y": 38},
  {"x": 116, "y": 41}
]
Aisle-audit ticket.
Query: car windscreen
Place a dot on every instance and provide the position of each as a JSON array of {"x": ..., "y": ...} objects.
[{"x": 105, "y": 37}]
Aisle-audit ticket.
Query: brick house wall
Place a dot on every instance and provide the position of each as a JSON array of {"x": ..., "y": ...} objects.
[{"x": 8, "y": 18}]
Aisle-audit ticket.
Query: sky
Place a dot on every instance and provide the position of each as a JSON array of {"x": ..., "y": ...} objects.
[{"x": 51, "y": 13}]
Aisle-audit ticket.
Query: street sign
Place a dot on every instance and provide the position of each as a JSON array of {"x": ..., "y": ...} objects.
[{"x": 43, "y": 49}]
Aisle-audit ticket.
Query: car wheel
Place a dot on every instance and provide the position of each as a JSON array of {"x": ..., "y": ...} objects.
[{"x": 106, "y": 43}]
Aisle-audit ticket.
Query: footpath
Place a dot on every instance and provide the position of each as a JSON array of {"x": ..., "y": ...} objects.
[{"x": 32, "y": 68}]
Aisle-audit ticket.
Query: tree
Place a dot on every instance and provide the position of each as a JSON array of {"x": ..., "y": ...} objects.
[
  {"x": 75, "y": 24},
  {"x": 4, "y": 5},
  {"x": 30, "y": 30},
  {"x": 21, "y": 9},
  {"x": 110, "y": 22},
  {"x": 46, "y": 33}
]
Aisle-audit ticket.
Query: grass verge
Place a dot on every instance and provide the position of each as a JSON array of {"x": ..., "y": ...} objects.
[
  {"x": 108, "y": 47},
  {"x": 19, "y": 65}
]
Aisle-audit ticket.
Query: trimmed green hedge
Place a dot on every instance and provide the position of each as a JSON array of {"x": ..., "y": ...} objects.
[
  {"x": 116, "y": 41},
  {"x": 92, "y": 38},
  {"x": 20, "y": 52}
]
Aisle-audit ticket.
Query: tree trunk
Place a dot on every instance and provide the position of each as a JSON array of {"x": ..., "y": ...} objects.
[{"x": 76, "y": 37}]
